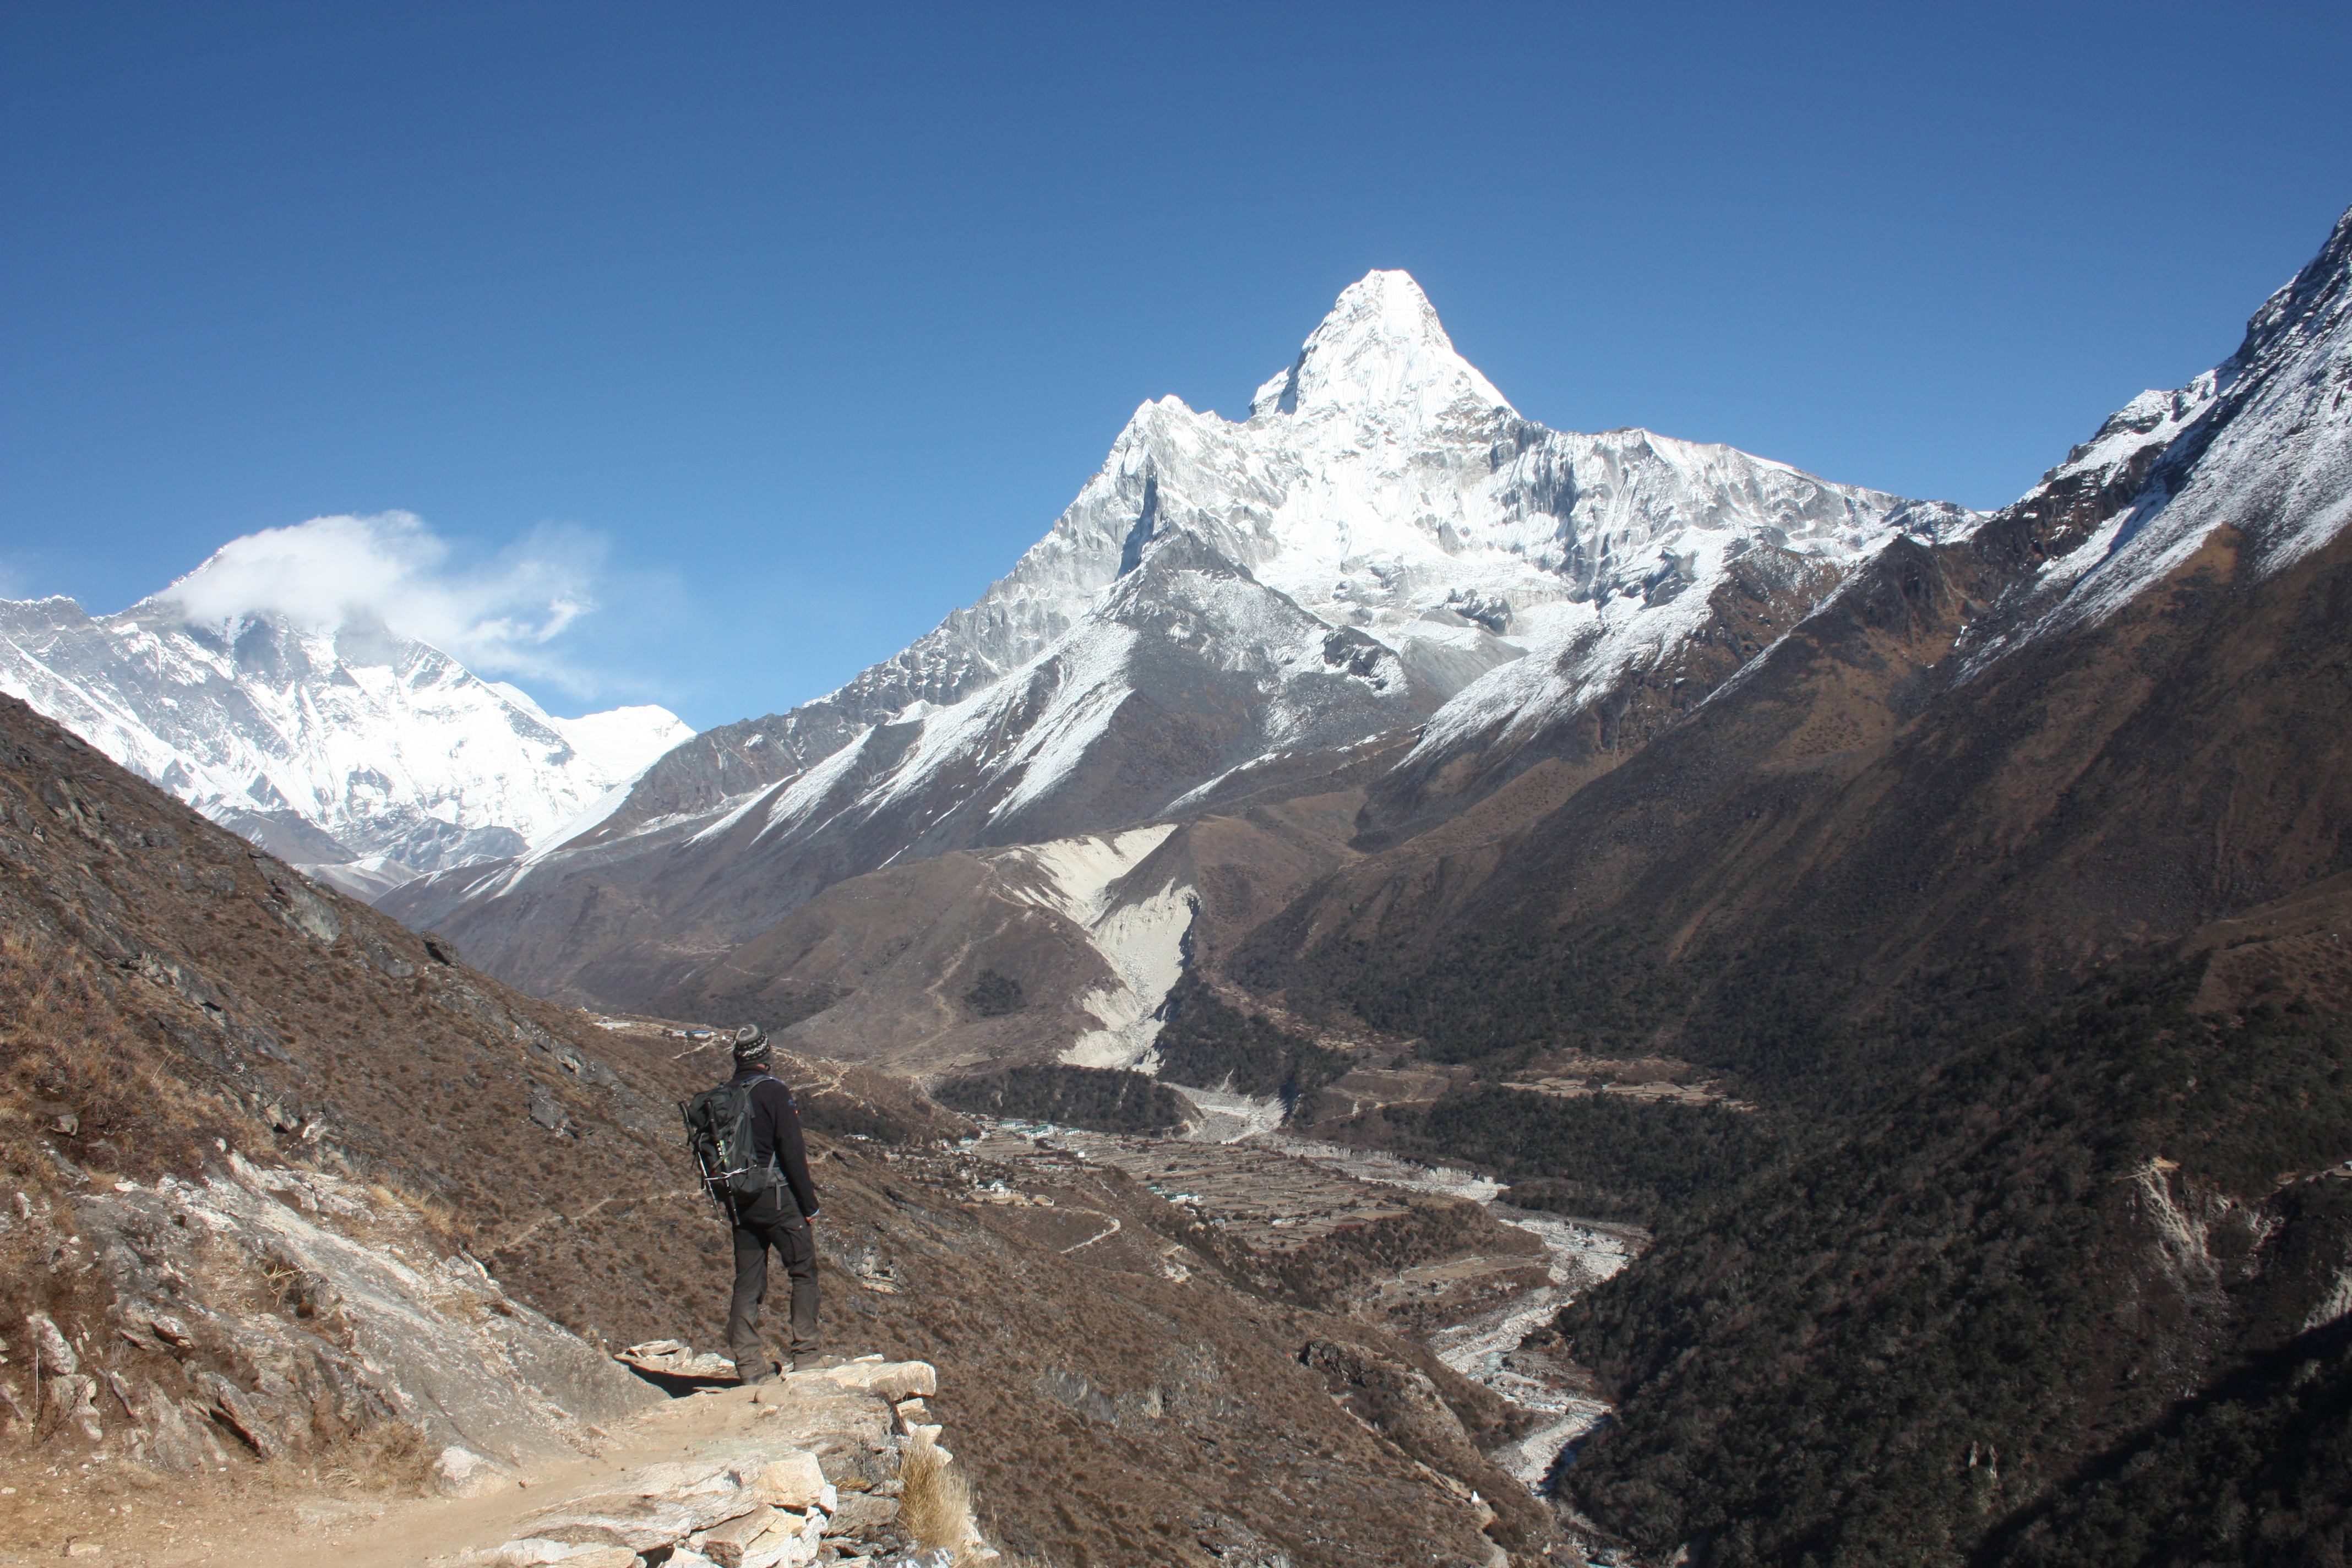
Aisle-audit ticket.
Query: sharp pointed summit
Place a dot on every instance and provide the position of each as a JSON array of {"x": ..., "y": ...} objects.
[{"x": 1381, "y": 353}]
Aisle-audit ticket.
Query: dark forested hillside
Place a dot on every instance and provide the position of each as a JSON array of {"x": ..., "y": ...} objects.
[
  {"x": 1107, "y": 1100},
  {"x": 1210, "y": 1044},
  {"x": 1600, "y": 1156},
  {"x": 2078, "y": 1259}
]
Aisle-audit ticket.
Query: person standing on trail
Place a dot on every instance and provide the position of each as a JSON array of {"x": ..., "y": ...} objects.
[{"x": 779, "y": 1216}]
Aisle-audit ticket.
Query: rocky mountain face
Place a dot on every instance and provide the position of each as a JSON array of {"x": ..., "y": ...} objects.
[
  {"x": 1227, "y": 605},
  {"x": 2036, "y": 746},
  {"x": 289, "y": 1197},
  {"x": 2015, "y": 749},
  {"x": 350, "y": 749}
]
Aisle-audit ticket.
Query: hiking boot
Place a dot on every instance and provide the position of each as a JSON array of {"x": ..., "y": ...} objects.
[
  {"x": 766, "y": 1375},
  {"x": 817, "y": 1362}
]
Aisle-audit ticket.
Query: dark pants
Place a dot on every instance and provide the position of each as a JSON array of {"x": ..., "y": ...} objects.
[{"x": 772, "y": 1221}]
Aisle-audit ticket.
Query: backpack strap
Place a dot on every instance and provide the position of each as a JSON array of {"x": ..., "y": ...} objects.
[{"x": 775, "y": 1154}]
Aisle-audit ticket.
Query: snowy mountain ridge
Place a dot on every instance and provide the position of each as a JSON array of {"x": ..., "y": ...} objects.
[
  {"x": 348, "y": 748},
  {"x": 1382, "y": 538},
  {"x": 1385, "y": 488},
  {"x": 2261, "y": 445},
  {"x": 1382, "y": 482}
]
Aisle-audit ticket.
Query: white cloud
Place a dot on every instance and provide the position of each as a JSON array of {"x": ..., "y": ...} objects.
[{"x": 498, "y": 617}]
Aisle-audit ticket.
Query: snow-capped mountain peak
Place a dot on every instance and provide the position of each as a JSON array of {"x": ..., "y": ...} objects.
[
  {"x": 330, "y": 744},
  {"x": 1381, "y": 355},
  {"x": 2261, "y": 445}
]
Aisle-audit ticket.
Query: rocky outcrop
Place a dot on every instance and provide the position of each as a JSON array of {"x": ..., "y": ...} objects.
[
  {"x": 841, "y": 1465},
  {"x": 284, "y": 1310}
]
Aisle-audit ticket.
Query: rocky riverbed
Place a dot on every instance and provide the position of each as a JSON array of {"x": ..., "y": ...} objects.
[
  {"x": 1488, "y": 1347},
  {"x": 1241, "y": 1173}
]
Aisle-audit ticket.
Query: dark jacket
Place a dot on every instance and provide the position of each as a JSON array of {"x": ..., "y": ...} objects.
[{"x": 776, "y": 1133}]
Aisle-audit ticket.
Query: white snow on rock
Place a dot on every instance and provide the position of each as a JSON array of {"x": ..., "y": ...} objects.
[
  {"x": 2261, "y": 445},
  {"x": 1379, "y": 486},
  {"x": 364, "y": 755},
  {"x": 1381, "y": 536}
]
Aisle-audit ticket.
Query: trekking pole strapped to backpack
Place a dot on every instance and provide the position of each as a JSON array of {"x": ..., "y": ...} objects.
[{"x": 718, "y": 1133}]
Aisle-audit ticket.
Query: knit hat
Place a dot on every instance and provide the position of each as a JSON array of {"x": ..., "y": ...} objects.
[{"x": 751, "y": 1043}]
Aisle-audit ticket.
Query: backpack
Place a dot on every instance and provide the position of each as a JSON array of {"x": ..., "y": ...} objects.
[{"x": 719, "y": 1134}]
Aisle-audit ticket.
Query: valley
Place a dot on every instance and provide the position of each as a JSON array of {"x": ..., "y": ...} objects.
[
  {"x": 1274, "y": 1193},
  {"x": 1407, "y": 987}
]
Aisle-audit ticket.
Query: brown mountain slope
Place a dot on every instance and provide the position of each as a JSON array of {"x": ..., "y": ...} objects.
[
  {"x": 2186, "y": 760},
  {"x": 882, "y": 968},
  {"x": 2012, "y": 883},
  {"x": 1964, "y": 763},
  {"x": 2115, "y": 712},
  {"x": 176, "y": 996}
]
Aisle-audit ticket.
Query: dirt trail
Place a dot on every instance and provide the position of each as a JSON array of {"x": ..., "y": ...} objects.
[
  {"x": 1099, "y": 1236},
  {"x": 257, "y": 1523}
]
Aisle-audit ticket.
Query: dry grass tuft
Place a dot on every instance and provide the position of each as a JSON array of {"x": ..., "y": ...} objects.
[
  {"x": 434, "y": 1215},
  {"x": 75, "y": 1071},
  {"x": 935, "y": 1503},
  {"x": 390, "y": 1456},
  {"x": 76, "y": 1077}
]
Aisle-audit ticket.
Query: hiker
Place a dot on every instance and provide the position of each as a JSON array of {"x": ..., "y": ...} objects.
[{"x": 776, "y": 1212}]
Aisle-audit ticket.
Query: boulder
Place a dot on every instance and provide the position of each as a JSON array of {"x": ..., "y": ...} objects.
[
  {"x": 249, "y": 1416},
  {"x": 726, "y": 1545},
  {"x": 893, "y": 1380},
  {"x": 675, "y": 1358},
  {"x": 862, "y": 1510},
  {"x": 461, "y": 1472},
  {"x": 872, "y": 1466},
  {"x": 49, "y": 1342},
  {"x": 528, "y": 1553},
  {"x": 75, "y": 1397},
  {"x": 673, "y": 1481},
  {"x": 793, "y": 1541},
  {"x": 642, "y": 1524},
  {"x": 794, "y": 1481}
]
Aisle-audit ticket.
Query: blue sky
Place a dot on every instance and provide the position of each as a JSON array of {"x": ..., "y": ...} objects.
[{"x": 776, "y": 332}]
